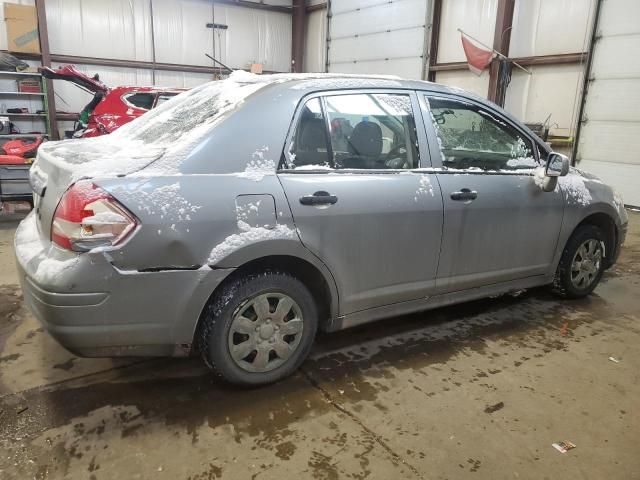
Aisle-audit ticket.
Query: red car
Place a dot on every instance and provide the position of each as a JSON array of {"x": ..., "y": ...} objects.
[{"x": 111, "y": 107}]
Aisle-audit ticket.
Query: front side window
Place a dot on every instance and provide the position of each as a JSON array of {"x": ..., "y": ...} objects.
[
  {"x": 372, "y": 131},
  {"x": 472, "y": 138}
]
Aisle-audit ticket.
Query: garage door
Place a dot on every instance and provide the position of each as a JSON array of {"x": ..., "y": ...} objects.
[
  {"x": 609, "y": 143},
  {"x": 377, "y": 36}
]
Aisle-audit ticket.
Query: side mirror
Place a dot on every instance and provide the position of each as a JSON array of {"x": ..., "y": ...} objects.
[{"x": 557, "y": 165}]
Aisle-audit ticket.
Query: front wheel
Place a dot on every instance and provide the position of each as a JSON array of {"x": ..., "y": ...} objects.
[
  {"x": 259, "y": 328},
  {"x": 582, "y": 263}
]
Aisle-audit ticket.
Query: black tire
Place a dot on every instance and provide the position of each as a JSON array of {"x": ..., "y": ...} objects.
[
  {"x": 563, "y": 285},
  {"x": 214, "y": 331}
]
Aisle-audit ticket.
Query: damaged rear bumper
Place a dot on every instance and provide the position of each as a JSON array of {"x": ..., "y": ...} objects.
[{"x": 94, "y": 309}]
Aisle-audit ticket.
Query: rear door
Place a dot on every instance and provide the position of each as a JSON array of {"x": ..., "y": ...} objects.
[
  {"x": 350, "y": 173},
  {"x": 499, "y": 225}
]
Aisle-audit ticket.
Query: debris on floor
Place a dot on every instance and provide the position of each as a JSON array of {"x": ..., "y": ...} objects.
[
  {"x": 563, "y": 447},
  {"x": 564, "y": 329},
  {"x": 614, "y": 360},
  {"x": 494, "y": 408}
]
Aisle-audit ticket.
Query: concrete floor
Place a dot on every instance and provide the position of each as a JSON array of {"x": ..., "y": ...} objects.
[{"x": 479, "y": 390}]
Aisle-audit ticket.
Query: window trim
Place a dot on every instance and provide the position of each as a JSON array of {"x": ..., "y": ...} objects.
[
  {"x": 424, "y": 96},
  {"x": 423, "y": 141}
]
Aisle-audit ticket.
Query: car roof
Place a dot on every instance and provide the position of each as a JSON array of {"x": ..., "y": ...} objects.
[{"x": 296, "y": 85}]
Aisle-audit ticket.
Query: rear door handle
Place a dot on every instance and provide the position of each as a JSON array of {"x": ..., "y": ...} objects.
[
  {"x": 464, "y": 195},
  {"x": 319, "y": 198}
]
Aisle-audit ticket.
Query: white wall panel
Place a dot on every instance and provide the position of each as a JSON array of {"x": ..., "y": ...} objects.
[
  {"x": 610, "y": 137},
  {"x": 549, "y": 90},
  {"x": 180, "y": 31},
  {"x": 402, "y": 67},
  {"x": 466, "y": 80},
  {"x": 253, "y": 36},
  {"x": 96, "y": 28},
  {"x": 3, "y": 25},
  {"x": 546, "y": 27},
  {"x": 121, "y": 29},
  {"x": 315, "y": 47},
  {"x": 475, "y": 17},
  {"x": 181, "y": 79},
  {"x": 369, "y": 36}
]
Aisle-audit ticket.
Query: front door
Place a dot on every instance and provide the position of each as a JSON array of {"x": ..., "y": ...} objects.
[
  {"x": 349, "y": 174},
  {"x": 499, "y": 225}
]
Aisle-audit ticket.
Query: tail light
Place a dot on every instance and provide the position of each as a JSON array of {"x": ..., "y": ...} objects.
[{"x": 88, "y": 217}]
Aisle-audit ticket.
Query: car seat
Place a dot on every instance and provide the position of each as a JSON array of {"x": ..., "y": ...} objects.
[
  {"x": 312, "y": 143},
  {"x": 365, "y": 146}
]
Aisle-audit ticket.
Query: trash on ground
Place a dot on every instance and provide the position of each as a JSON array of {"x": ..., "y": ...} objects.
[
  {"x": 564, "y": 329},
  {"x": 22, "y": 410},
  {"x": 494, "y": 408},
  {"x": 614, "y": 360},
  {"x": 563, "y": 447}
]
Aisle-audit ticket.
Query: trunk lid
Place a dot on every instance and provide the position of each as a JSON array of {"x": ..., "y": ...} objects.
[{"x": 71, "y": 74}]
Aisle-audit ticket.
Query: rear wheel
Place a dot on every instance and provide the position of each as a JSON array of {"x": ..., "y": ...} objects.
[
  {"x": 259, "y": 329},
  {"x": 582, "y": 263}
]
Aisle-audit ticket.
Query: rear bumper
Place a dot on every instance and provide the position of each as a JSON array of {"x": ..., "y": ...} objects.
[{"x": 95, "y": 309}]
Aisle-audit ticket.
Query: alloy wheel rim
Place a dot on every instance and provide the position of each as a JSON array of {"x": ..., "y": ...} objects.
[
  {"x": 265, "y": 331},
  {"x": 586, "y": 264}
]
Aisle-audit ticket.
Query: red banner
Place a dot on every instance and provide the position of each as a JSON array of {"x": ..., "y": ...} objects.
[{"x": 478, "y": 58}]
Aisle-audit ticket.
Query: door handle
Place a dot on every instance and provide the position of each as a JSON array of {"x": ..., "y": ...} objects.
[
  {"x": 464, "y": 195},
  {"x": 319, "y": 198}
]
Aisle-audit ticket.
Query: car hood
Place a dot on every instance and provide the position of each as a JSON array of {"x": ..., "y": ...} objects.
[{"x": 71, "y": 74}]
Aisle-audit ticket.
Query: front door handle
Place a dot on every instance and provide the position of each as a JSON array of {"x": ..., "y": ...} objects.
[
  {"x": 464, "y": 195},
  {"x": 319, "y": 198}
]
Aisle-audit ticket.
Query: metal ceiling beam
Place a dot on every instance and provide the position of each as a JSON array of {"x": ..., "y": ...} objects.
[
  {"x": 110, "y": 62},
  {"x": 298, "y": 22},
  {"x": 45, "y": 58},
  {"x": 501, "y": 41},
  {"x": 558, "y": 59}
]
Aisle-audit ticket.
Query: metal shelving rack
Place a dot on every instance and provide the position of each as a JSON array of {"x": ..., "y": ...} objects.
[{"x": 28, "y": 95}]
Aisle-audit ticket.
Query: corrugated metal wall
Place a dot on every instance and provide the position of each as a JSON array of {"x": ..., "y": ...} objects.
[{"x": 610, "y": 137}]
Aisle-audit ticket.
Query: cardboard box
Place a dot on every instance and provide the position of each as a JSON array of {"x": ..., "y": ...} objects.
[{"x": 22, "y": 28}]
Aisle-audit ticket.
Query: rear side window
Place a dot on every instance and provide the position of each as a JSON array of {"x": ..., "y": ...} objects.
[
  {"x": 140, "y": 100},
  {"x": 359, "y": 131},
  {"x": 472, "y": 138},
  {"x": 309, "y": 145},
  {"x": 372, "y": 131}
]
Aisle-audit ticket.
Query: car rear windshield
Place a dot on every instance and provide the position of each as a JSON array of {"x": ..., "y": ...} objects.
[{"x": 189, "y": 114}]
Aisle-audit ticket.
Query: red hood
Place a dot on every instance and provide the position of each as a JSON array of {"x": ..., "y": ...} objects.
[{"x": 69, "y": 73}]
